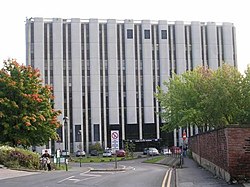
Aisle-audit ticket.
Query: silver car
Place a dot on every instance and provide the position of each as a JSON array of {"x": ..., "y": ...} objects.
[
  {"x": 153, "y": 151},
  {"x": 107, "y": 153}
]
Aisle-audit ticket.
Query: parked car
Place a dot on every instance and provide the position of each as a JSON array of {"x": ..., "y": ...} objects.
[
  {"x": 113, "y": 151},
  {"x": 166, "y": 151},
  {"x": 80, "y": 153},
  {"x": 107, "y": 153},
  {"x": 120, "y": 153},
  {"x": 65, "y": 153},
  {"x": 152, "y": 151},
  {"x": 145, "y": 151}
]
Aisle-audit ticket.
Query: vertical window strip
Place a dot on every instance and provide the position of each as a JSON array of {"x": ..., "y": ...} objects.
[
  {"x": 138, "y": 76},
  {"x": 50, "y": 52},
  {"x": 135, "y": 42},
  {"x": 190, "y": 48},
  {"x": 141, "y": 73},
  {"x": 100, "y": 43},
  {"x": 120, "y": 71},
  {"x": 187, "y": 47},
  {"x": 70, "y": 81},
  {"x": 174, "y": 52},
  {"x": 83, "y": 60},
  {"x": 220, "y": 45},
  {"x": 234, "y": 46},
  {"x": 82, "y": 44},
  {"x": 170, "y": 51},
  {"x": 32, "y": 50},
  {"x": 206, "y": 47},
  {"x": 46, "y": 68},
  {"x": 105, "y": 43},
  {"x": 123, "y": 74}
]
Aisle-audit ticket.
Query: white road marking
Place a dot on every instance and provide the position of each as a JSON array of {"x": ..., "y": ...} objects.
[
  {"x": 65, "y": 179},
  {"x": 91, "y": 174},
  {"x": 76, "y": 180}
]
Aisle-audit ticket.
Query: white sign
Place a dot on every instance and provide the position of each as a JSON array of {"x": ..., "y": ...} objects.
[
  {"x": 115, "y": 140},
  {"x": 48, "y": 150},
  {"x": 58, "y": 153}
]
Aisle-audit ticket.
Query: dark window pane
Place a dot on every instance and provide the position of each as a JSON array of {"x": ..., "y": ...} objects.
[
  {"x": 164, "y": 34},
  {"x": 78, "y": 133},
  {"x": 96, "y": 132},
  {"x": 147, "y": 34},
  {"x": 129, "y": 34}
]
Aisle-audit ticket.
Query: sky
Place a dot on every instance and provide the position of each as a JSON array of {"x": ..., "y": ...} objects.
[{"x": 13, "y": 14}]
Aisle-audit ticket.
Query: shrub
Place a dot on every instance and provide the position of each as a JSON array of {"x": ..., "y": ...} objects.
[
  {"x": 97, "y": 146},
  {"x": 18, "y": 158}
]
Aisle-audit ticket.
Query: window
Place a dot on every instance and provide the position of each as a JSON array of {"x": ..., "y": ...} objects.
[
  {"x": 164, "y": 34},
  {"x": 129, "y": 34},
  {"x": 146, "y": 34},
  {"x": 96, "y": 132},
  {"x": 78, "y": 133}
]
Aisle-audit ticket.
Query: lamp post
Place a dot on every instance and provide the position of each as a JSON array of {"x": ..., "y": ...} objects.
[
  {"x": 80, "y": 148},
  {"x": 66, "y": 140},
  {"x": 66, "y": 132}
]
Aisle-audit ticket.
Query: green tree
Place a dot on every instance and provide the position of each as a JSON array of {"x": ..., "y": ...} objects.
[
  {"x": 205, "y": 97},
  {"x": 129, "y": 149},
  {"x": 222, "y": 105},
  {"x": 96, "y": 146},
  {"x": 27, "y": 116},
  {"x": 244, "y": 116}
]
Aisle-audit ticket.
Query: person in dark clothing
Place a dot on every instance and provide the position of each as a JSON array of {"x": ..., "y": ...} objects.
[{"x": 47, "y": 156}]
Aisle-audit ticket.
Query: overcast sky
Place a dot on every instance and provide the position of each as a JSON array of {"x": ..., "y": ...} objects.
[{"x": 14, "y": 12}]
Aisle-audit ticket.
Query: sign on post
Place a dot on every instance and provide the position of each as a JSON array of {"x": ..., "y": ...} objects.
[{"x": 115, "y": 140}]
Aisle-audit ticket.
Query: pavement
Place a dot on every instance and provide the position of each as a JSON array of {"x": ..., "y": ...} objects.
[
  {"x": 10, "y": 173},
  {"x": 193, "y": 175}
]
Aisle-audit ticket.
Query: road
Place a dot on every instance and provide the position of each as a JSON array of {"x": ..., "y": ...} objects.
[{"x": 136, "y": 174}]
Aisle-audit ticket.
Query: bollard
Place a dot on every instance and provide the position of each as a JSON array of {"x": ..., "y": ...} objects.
[
  {"x": 181, "y": 160},
  {"x": 66, "y": 164}
]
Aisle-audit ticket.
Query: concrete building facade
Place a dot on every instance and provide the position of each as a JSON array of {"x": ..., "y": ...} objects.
[{"x": 104, "y": 73}]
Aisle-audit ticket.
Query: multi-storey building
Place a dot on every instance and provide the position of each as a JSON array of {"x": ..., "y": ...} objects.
[{"x": 105, "y": 72}]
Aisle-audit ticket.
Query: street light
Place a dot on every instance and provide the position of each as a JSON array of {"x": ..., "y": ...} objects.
[
  {"x": 66, "y": 140},
  {"x": 66, "y": 133},
  {"x": 80, "y": 149}
]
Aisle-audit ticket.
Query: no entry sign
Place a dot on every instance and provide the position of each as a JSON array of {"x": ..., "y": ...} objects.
[
  {"x": 115, "y": 140},
  {"x": 115, "y": 135}
]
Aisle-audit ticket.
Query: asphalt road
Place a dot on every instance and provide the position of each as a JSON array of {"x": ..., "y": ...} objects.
[{"x": 136, "y": 174}]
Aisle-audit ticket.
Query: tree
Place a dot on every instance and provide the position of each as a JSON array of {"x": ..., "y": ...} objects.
[
  {"x": 244, "y": 116},
  {"x": 222, "y": 105},
  {"x": 205, "y": 97},
  {"x": 27, "y": 116},
  {"x": 129, "y": 149},
  {"x": 96, "y": 146}
]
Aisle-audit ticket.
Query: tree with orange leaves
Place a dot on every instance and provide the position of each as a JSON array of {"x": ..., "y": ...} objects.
[{"x": 27, "y": 116}]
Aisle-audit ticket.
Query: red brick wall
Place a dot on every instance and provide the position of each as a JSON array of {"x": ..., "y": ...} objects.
[{"x": 227, "y": 148}]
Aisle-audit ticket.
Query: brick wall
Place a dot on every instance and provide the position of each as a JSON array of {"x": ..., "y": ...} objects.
[{"x": 227, "y": 148}]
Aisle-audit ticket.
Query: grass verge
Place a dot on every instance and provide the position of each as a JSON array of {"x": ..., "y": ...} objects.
[
  {"x": 154, "y": 159},
  {"x": 99, "y": 159}
]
